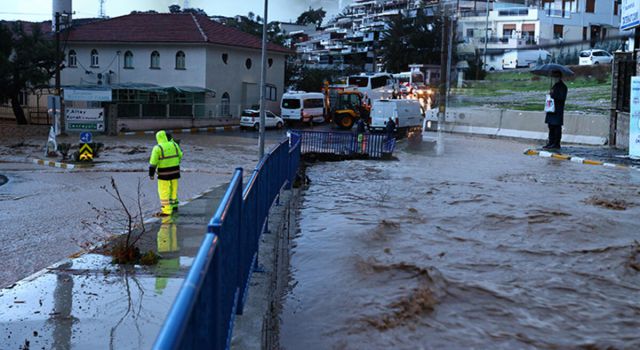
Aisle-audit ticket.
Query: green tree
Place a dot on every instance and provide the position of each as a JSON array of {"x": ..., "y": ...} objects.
[
  {"x": 411, "y": 40},
  {"x": 312, "y": 16},
  {"x": 27, "y": 60}
]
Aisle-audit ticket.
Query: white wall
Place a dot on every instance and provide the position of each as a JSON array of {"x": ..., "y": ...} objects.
[
  {"x": 109, "y": 60},
  {"x": 239, "y": 82}
]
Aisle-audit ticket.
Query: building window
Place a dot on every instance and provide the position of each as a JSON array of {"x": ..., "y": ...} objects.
[
  {"x": 248, "y": 63},
  {"x": 591, "y": 6},
  {"x": 615, "y": 8},
  {"x": 95, "y": 60},
  {"x": 529, "y": 32},
  {"x": 558, "y": 31},
  {"x": 225, "y": 108},
  {"x": 470, "y": 33},
  {"x": 270, "y": 62},
  {"x": 128, "y": 60},
  {"x": 508, "y": 30},
  {"x": 155, "y": 60},
  {"x": 180, "y": 60},
  {"x": 225, "y": 58},
  {"x": 584, "y": 33},
  {"x": 72, "y": 61},
  {"x": 270, "y": 92}
]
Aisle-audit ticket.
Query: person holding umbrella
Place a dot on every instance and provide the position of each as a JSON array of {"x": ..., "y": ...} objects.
[{"x": 555, "y": 117}]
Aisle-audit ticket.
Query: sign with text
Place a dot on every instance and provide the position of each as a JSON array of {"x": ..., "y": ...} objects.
[
  {"x": 87, "y": 95},
  {"x": 634, "y": 123},
  {"x": 82, "y": 119},
  {"x": 630, "y": 17}
]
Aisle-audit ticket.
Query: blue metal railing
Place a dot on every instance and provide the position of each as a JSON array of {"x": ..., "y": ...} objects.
[
  {"x": 215, "y": 289},
  {"x": 344, "y": 143}
]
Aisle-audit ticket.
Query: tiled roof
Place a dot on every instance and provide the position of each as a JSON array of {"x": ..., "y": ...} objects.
[{"x": 167, "y": 28}]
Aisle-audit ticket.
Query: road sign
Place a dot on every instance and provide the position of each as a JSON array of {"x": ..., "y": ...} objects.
[
  {"x": 85, "y": 137},
  {"x": 86, "y": 153},
  {"x": 80, "y": 119},
  {"x": 630, "y": 17}
]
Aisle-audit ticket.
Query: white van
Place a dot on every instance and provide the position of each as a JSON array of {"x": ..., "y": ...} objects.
[
  {"x": 405, "y": 113},
  {"x": 303, "y": 106},
  {"x": 523, "y": 58}
]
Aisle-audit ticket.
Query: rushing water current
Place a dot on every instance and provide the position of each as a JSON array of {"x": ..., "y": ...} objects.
[{"x": 481, "y": 248}]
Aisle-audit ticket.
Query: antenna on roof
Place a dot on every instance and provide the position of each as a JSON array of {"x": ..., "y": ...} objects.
[{"x": 102, "y": 13}]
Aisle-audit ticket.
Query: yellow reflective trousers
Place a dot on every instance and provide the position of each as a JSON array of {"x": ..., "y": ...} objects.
[
  {"x": 167, "y": 241},
  {"x": 168, "y": 192}
]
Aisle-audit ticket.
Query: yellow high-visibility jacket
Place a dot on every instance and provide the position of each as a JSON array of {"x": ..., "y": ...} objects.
[{"x": 165, "y": 158}]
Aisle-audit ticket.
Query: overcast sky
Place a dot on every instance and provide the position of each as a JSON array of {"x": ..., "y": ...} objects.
[{"x": 282, "y": 10}]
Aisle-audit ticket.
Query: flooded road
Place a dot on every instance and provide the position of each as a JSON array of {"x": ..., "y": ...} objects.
[
  {"x": 46, "y": 215},
  {"x": 482, "y": 248}
]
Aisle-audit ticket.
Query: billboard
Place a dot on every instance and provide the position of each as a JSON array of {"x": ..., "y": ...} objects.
[
  {"x": 630, "y": 17},
  {"x": 634, "y": 123}
]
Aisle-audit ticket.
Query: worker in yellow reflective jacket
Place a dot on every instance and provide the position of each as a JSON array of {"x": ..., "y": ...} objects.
[{"x": 165, "y": 160}]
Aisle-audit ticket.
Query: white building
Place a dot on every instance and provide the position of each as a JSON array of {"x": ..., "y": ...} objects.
[
  {"x": 519, "y": 24},
  {"x": 187, "y": 63}
]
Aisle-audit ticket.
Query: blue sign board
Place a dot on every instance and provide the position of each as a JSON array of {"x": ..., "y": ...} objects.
[
  {"x": 85, "y": 137},
  {"x": 634, "y": 122},
  {"x": 630, "y": 17}
]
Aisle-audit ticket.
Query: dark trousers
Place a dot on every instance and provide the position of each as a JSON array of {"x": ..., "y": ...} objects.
[{"x": 555, "y": 134}]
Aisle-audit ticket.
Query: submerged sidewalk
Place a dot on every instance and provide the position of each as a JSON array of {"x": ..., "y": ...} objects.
[{"x": 89, "y": 303}]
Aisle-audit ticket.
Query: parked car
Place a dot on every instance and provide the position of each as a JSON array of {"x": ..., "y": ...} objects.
[
  {"x": 523, "y": 58},
  {"x": 589, "y": 57},
  {"x": 250, "y": 118}
]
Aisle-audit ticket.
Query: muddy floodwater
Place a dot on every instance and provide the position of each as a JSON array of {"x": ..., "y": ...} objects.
[{"x": 481, "y": 248}]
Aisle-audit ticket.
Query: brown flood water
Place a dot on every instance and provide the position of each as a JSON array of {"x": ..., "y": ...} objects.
[{"x": 482, "y": 248}]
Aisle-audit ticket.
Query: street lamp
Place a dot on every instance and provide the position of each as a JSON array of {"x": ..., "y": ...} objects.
[{"x": 263, "y": 78}]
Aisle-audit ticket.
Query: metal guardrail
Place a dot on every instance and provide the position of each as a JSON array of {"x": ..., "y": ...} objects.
[
  {"x": 215, "y": 289},
  {"x": 345, "y": 143}
]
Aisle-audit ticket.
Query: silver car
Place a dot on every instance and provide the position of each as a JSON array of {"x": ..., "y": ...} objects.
[
  {"x": 589, "y": 57},
  {"x": 250, "y": 118}
]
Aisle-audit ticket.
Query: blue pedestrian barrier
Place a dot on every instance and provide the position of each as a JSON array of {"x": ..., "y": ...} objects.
[
  {"x": 215, "y": 289},
  {"x": 345, "y": 143}
]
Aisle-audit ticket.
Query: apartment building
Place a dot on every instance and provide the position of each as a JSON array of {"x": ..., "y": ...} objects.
[{"x": 515, "y": 25}]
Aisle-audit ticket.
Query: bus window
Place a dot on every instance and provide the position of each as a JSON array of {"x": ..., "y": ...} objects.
[
  {"x": 359, "y": 81},
  {"x": 313, "y": 103},
  {"x": 417, "y": 78},
  {"x": 379, "y": 82}
]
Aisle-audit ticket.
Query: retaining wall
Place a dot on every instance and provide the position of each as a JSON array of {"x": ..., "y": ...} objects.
[
  {"x": 158, "y": 123},
  {"x": 8, "y": 131},
  {"x": 578, "y": 128}
]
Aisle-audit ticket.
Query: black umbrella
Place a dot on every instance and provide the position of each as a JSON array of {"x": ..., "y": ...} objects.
[{"x": 549, "y": 68}]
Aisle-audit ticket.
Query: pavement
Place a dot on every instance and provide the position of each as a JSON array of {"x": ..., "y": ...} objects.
[{"x": 89, "y": 303}]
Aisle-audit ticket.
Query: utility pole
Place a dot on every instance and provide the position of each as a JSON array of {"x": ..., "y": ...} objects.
[
  {"x": 486, "y": 36},
  {"x": 58, "y": 61},
  {"x": 263, "y": 79},
  {"x": 444, "y": 77}
]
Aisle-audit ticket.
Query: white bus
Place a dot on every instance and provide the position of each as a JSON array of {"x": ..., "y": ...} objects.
[{"x": 374, "y": 85}]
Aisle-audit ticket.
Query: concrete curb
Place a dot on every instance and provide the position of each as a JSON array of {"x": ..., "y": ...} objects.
[
  {"x": 183, "y": 131},
  {"x": 580, "y": 160},
  {"x": 57, "y": 164}
]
